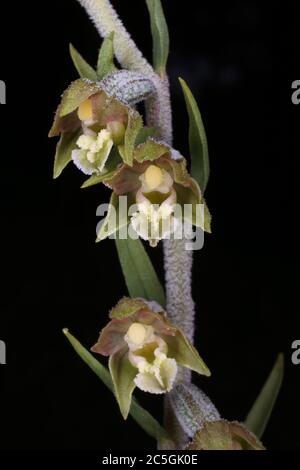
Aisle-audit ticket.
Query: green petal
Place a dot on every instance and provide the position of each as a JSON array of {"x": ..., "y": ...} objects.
[
  {"x": 106, "y": 57},
  {"x": 122, "y": 374},
  {"x": 127, "y": 307},
  {"x": 83, "y": 68},
  {"x": 185, "y": 354},
  {"x": 64, "y": 148},
  {"x": 135, "y": 123},
  {"x": 113, "y": 221},
  {"x": 197, "y": 139},
  {"x": 150, "y": 150},
  {"x": 260, "y": 412}
]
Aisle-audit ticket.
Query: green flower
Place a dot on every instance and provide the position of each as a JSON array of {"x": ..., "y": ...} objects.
[
  {"x": 90, "y": 122},
  {"x": 164, "y": 193},
  {"x": 224, "y": 435},
  {"x": 144, "y": 350}
]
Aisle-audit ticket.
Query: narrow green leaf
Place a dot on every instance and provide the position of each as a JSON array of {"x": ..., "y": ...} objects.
[
  {"x": 160, "y": 35},
  {"x": 140, "y": 276},
  {"x": 197, "y": 139},
  {"x": 106, "y": 57},
  {"x": 63, "y": 155},
  {"x": 139, "y": 414},
  {"x": 83, "y": 68},
  {"x": 114, "y": 220},
  {"x": 260, "y": 412}
]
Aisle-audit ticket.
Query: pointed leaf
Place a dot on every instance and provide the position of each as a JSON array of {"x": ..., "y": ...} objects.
[
  {"x": 114, "y": 220},
  {"x": 260, "y": 412},
  {"x": 185, "y": 354},
  {"x": 160, "y": 35},
  {"x": 197, "y": 140},
  {"x": 83, "y": 68},
  {"x": 63, "y": 155},
  {"x": 139, "y": 414},
  {"x": 122, "y": 373},
  {"x": 106, "y": 57},
  {"x": 140, "y": 276}
]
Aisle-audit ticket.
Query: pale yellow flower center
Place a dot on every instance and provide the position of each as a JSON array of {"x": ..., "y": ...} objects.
[
  {"x": 153, "y": 177},
  {"x": 137, "y": 333},
  {"x": 85, "y": 110}
]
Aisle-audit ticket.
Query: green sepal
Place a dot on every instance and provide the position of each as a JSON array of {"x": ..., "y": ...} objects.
[
  {"x": 83, "y": 68},
  {"x": 105, "y": 63},
  {"x": 78, "y": 91},
  {"x": 134, "y": 125},
  {"x": 185, "y": 353},
  {"x": 150, "y": 150},
  {"x": 197, "y": 140},
  {"x": 149, "y": 424},
  {"x": 63, "y": 155},
  {"x": 127, "y": 307},
  {"x": 122, "y": 373}
]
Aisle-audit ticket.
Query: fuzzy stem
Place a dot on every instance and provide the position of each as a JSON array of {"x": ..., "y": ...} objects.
[
  {"x": 178, "y": 261},
  {"x": 106, "y": 20}
]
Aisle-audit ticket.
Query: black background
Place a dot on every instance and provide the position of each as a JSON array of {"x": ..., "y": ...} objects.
[{"x": 240, "y": 59}]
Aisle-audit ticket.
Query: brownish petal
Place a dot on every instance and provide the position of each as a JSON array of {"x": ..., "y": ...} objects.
[
  {"x": 126, "y": 178},
  {"x": 111, "y": 338},
  {"x": 157, "y": 321},
  {"x": 106, "y": 109}
]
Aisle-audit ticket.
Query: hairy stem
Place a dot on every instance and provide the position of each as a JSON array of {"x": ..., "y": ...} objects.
[
  {"x": 106, "y": 20},
  {"x": 178, "y": 261}
]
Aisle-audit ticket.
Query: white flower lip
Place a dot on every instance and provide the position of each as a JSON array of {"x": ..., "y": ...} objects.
[
  {"x": 156, "y": 372},
  {"x": 93, "y": 151},
  {"x": 152, "y": 221}
]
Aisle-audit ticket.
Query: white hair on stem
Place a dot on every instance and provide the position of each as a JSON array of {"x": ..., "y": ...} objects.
[{"x": 106, "y": 20}]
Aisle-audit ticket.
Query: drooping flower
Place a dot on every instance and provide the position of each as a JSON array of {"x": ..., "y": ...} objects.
[
  {"x": 144, "y": 350},
  {"x": 163, "y": 192},
  {"x": 91, "y": 122},
  {"x": 224, "y": 435}
]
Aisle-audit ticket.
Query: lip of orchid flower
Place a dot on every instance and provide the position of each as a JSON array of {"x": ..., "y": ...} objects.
[
  {"x": 155, "y": 222},
  {"x": 144, "y": 350}
]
